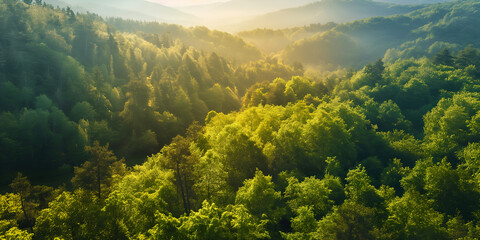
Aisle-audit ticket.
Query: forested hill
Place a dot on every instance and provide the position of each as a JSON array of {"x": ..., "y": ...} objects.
[
  {"x": 111, "y": 133},
  {"x": 226, "y": 45},
  {"x": 67, "y": 80},
  {"x": 423, "y": 32},
  {"x": 272, "y": 41}
]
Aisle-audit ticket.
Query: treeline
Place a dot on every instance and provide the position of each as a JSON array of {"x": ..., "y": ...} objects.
[
  {"x": 68, "y": 80},
  {"x": 226, "y": 45},
  {"x": 273, "y": 41}
]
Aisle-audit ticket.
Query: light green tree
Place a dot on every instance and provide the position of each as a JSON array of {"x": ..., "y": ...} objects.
[{"x": 258, "y": 195}]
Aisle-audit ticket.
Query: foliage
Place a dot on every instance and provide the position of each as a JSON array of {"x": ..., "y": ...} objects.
[
  {"x": 236, "y": 150},
  {"x": 68, "y": 80},
  {"x": 100, "y": 172}
]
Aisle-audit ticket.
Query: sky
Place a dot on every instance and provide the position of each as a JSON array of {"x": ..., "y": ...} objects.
[{"x": 177, "y": 3}]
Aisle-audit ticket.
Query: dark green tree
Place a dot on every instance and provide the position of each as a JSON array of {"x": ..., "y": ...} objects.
[
  {"x": 100, "y": 171},
  {"x": 178, "y": 158},
  {"x": 349, "y": 221},
  {"x": 444, "y": 58},
  {"x": 21, "y": 185}
]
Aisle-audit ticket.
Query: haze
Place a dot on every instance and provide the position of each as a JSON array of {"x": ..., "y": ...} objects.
[
  {"x": 240, "y": 15},
  {"x": 177, "y": 3}
]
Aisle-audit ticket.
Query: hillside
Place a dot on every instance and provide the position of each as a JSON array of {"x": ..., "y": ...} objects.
[
  {"x": 338, "y": 11},
  {"x": 232, "y": 47},
  {"x": 422, "y": 32},
  {"x": 69, "y": 79},
  {"x": 273, "y": 41}
]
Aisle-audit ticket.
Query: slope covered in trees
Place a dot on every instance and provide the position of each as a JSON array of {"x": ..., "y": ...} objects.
[
  {"x": 69, "y": 79},
  {"x": 273, "y": 41},
  {"x": 231, "y": 47}
]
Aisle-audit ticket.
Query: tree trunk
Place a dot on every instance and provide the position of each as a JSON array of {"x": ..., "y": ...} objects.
[
  {"x": 99, "y": 183},
  {"x": 179, "y": 179},
  {"x": 22, "y": 203},
  {"x": 186, "y": 191}
]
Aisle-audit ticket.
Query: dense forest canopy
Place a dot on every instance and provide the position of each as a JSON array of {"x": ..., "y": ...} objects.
[
  {"x": 71, "y": 79},
  {"x": 119, "y": 129}
]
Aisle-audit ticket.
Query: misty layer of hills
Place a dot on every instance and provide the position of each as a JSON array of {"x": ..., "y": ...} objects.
[
  {"x": 128, "y": 9},
  {"x": 326, "y": 11},
  {"x": 236, "y": 8},
  {"x": 451, "y": 25},
  {"x": 240, "y": 15}
]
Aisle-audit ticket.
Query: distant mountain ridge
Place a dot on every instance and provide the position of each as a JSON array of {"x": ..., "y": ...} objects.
[
  {"x": 338, "y": 11},
  {"x": 219, "y": 15},
  {"x": 414, "y": 1},
  {"x": 241, "y": 15},
  {"x": 255, "y": 6},
  {"x": 130, "y": 9},
  {"x": 234, "y": 8}
]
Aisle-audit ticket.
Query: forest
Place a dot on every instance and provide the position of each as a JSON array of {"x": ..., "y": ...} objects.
[
  {"x": 121, "y": 129},
  {"x": 329, "y": 46}
]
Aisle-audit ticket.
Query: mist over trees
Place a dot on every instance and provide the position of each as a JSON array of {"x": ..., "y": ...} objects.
[
  {"x": 330, "y": 46},
  {"x": 321, "y": 12}
]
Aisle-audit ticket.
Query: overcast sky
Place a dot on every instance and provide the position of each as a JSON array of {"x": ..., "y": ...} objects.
[{"x": 185, "y": 2}]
